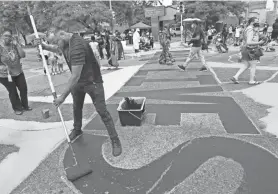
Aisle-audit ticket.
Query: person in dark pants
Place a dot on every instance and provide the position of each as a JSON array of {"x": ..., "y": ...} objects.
[
  {"x": 11, "y": 73},
  {"x": 85, "y": 78},
  {"x": 118, "y": 40},
  {"x": 224, "y": 33},
  {"x": 107, "y": 44},
  {"x": 100, "y": 41}
]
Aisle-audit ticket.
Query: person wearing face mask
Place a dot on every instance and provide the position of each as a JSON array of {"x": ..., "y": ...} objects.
[
  {"x": 196, "y": 49},
  {"x": 250, "y": 51},
  {"x": 11, "y": 73}
]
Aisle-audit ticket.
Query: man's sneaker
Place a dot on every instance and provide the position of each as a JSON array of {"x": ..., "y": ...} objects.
[
  {"x": 75, "y": 134},
  {"x": 116, "y": 146},
  {"x": 203, "y": 69},
  {"x": 181, "y": 67}
]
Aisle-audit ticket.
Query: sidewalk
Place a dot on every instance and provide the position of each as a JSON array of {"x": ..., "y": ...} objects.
[{"x": 194, "y": 138}]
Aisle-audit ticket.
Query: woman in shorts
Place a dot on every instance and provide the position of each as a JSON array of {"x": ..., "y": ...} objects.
[{"x": 250, "y": 45}]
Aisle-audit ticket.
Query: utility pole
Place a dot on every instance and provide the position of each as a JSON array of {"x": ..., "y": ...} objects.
[
  {"x": 181, "y": 10},
  {"x": 113, "y": 15}
]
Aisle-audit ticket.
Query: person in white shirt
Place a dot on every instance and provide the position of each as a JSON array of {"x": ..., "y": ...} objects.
[
  {"x": 210, "y": 33},
  {"x": 60, "y": 62},
  {"x": 230, "y": 31},
  {"x": 237, "y": 35},
  {"x": 136, "y": 41},
  {"x": 94, "y": 47},
  {"x": 52, "y": 59},
  {"x": 45, "y": 53}
]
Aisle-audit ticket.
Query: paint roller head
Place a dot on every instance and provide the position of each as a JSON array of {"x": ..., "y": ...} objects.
[{"x": 76, "y": 172}]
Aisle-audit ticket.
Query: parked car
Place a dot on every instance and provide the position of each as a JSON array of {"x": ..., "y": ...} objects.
[{"x": 176, "y": 31}]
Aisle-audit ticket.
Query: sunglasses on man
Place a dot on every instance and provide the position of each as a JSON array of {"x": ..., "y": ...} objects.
[{"x": 256, "y": 25}]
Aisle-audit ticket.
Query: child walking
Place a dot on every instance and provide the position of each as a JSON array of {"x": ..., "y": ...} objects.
[
  {"x": 60, "y": 63},
  {"x": 53, "y": 62}
]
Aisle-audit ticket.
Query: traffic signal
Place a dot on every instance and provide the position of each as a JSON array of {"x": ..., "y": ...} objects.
[
  {"x": 181, "y": 7},
  {"x": 175, "y": 17},
  {"x": 178, "y": 9},
  {"x": 113, "y": 14}
]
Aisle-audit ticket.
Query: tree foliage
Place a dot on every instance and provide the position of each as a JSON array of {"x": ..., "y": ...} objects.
[
  {"x": 212, "y": 11},
  {"x": 89, "y": 14},
  {"x": 131, "y": 12},
  {"x": 69, "y": 14},
  {"x": 14, "y": 16}
]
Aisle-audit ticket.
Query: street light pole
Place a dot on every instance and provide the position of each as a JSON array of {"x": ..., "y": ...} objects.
[
  {"x": 181, "y": 12},
  {"x": 110, "y": 5},
  {"x": 181, "y": 28}
]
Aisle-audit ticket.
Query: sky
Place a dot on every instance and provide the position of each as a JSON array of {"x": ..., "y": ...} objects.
[{"x": 167, "y": 2}]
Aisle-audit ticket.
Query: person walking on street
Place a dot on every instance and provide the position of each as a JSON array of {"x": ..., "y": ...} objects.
[
  {"x": 113, "y": 60},
  {"x": 60, "y": 62},
  {"x": 274, "y": 34},
  {"x": 237, "y": 35},
  {"x": 11, "y": 73},
  {"x": 118, "y": 40},
  {"x": 151, "y": 40},
  {"x": 100, "y": 41},
  {"x": 130, "y": 34},
  {"x": 196, "y": 49},
  {"x": 265, "y": 28},
  {"x": 52, "y": 60},
  {"x": 224, "y": 33},
  {"x": 250, "y": 51},
  {"x": 107, "y": 44},
  {"x": 85, "y": 78},
  {"x": 136, "y": 41},
  {"x": 94, "y": 47}
]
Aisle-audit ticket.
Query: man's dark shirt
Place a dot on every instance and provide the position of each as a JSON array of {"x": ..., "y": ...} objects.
[
  {"x": 197, "y": 32},
  {"x": 80, "y": 53}
]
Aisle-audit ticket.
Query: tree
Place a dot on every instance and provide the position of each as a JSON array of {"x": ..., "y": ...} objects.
[
  {"x": 131, "y": 12},
  {"x": 14, "y": 16},
  {"x": 212, "y": 11},
  {"x": 43, "y": 13},
  {"x": 85, "y": 13},
  {"x": 236, "y": 7}
]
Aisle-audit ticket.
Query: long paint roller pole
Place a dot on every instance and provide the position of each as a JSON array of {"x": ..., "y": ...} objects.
[
  {"x": 76, "y": 171},
  {"x": 47, "y": 71}
]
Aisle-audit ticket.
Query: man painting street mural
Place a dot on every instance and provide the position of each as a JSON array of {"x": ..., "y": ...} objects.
[
  {"x": 165, "y": 57},
  {"x": 85, "y": 78}
]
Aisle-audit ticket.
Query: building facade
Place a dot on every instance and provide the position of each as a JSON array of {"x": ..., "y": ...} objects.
[{"x": 259, "y": 9}]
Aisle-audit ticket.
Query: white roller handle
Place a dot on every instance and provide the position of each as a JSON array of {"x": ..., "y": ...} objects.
[{"x": 47, "y": 73}]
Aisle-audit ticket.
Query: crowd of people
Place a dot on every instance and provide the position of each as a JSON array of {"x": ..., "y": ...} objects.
[{"x": 248, "y": 36}]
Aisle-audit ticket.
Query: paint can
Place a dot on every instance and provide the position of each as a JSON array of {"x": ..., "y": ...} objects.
[{"x": 45, "y": 113}]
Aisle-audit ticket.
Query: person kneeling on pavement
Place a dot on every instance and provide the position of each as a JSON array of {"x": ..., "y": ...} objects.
[{"x": 85, "y": 78}]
